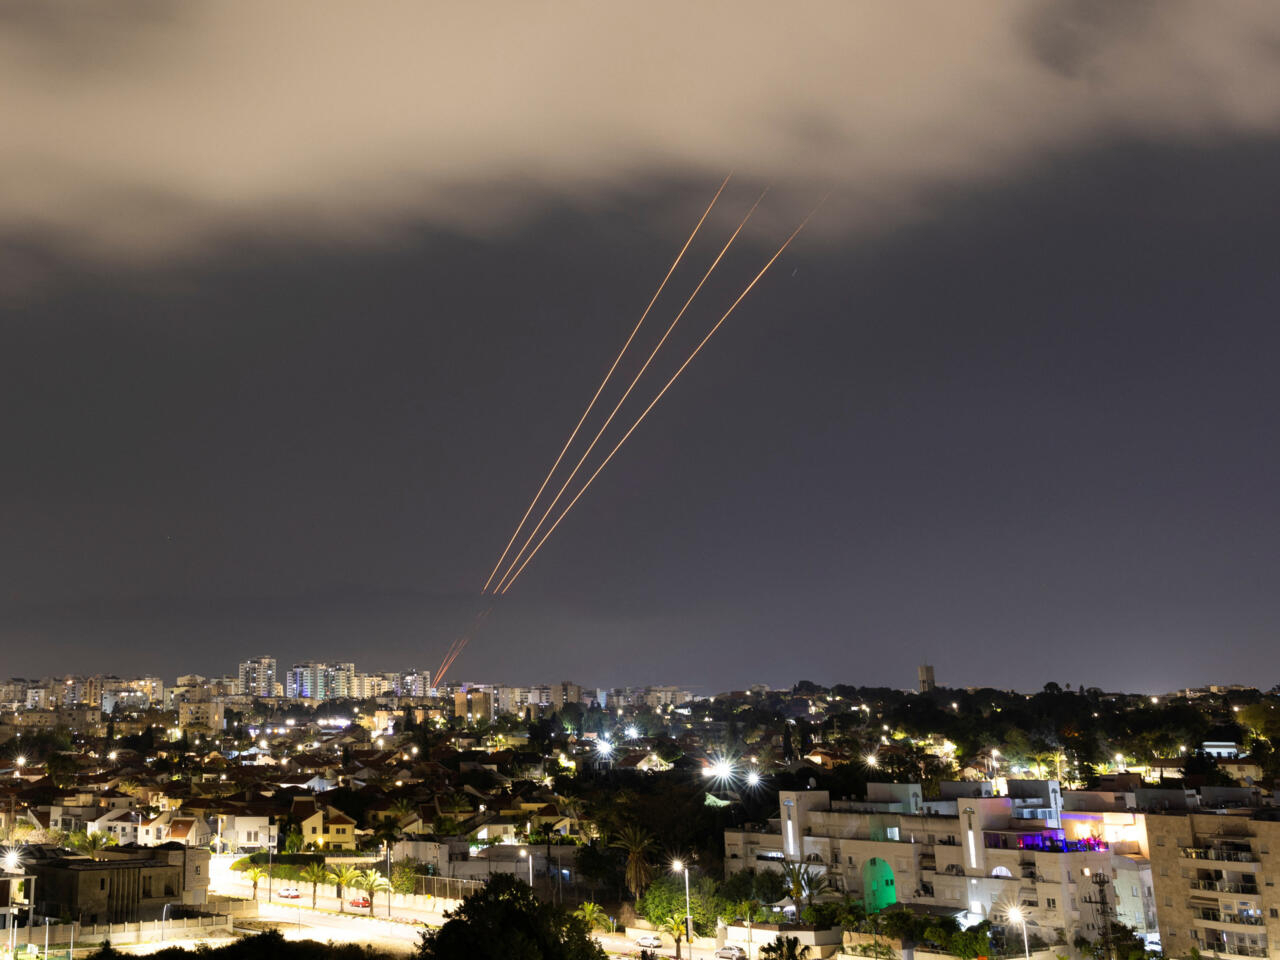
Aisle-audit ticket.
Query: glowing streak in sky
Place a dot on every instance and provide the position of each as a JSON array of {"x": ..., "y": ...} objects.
[
  {"x": 614, "y": 412},
  {"x": 655, "y": 400},
  {"x": 600, "y": 389}
]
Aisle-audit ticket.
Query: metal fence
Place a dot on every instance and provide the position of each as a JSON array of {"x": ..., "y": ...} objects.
[{"x": 446, "y": 888}]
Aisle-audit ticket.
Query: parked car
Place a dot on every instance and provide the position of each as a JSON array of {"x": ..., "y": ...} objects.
[
  {"x": 360, "y": 902},
  {"x": 731, "y": 952},
  {"x": 288, "y": 893},
  {"x": 648, "y": 940}
]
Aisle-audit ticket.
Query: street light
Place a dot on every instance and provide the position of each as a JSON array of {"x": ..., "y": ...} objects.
[
  {"x": 680, "y": 866},
  {"x": 525, "y": 853},
  {"x": 1017, "y": 916}
]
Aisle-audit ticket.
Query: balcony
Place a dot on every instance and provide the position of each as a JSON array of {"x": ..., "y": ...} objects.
[
  {"x": 1225, "y": 886},
  {"x": 1220, "y": 854},
  {"x": 1220, "y": 948},
  {"x": 1231, "y": 919}
]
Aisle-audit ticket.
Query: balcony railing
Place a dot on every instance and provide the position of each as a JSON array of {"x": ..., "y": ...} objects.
[
  {"x": 1211, "y": 853},
  {"x": 1217, "y": 916},
  {"x": 1225, "y": 886},
  {"x": 1241, "y": 951}
]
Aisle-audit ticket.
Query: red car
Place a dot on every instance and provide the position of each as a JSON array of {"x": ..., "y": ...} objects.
[{"x": 360, "y": 902}]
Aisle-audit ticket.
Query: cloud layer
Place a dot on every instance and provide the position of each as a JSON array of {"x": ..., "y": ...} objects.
[{"x": 137, "y": 129}]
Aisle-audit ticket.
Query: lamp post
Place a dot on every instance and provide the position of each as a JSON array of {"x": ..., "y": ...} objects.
[
  {"x": 680, "y": 867},
  {"x": 526, "y": 853},
  {"x": 1016, "y": 915}
]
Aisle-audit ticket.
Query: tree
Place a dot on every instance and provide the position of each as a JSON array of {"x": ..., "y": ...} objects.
[
  {"x": 804, "y": 882},
  {"x": 255, "y": 875},
  {"x": 504, "y": 920},
  {"x": 343, "y": 878},
  {"x": 372, "y": 882},
  {"x": 674, "y": 927},
  {"x": 785, "y": 948},
  {"x": 314, "y": 874},
  {"x": 401, "y": 808},
  {"x": 91, "y": 843},
  {"x": 636, "y": 843},
  {"x": 592, "y": 914},
  {"x": 293, "y": 842}
]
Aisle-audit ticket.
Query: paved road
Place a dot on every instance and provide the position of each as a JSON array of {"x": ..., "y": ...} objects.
[
  {"x": 303, "y": 923},
  {"x": 233, "y": 885}
]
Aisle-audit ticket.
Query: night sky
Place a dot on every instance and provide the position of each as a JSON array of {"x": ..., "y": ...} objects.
[{"x": 295, "y": 316}]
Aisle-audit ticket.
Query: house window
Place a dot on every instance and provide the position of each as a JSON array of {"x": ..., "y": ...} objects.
[
  {"x": 102, "y": 883},
  {"x": 197, "y": 871},
  {"x": 1275, "y": 913},
  {"x": 1168, "y": 900},
  {"x": 1051, "y": 903},
  {"x": 1159, "y": 841},
  {"x": 313, "y": 830}
]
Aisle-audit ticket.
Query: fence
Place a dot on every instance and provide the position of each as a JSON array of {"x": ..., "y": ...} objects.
[
  {"x": 61, "y": 935},
  {"x": 446, "y": 888}
]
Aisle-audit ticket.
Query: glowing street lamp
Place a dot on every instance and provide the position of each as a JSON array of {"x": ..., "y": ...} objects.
[
  {"x": 632, "y": 732},
  {"x": 1016, "y": 915},
  {"x": 679, "y": 866},
  {"x": 720, "y": 769},
  {"x": 871, "y": 760},
  {"x": 523, "y": 854},
  {"x": 753, "y": 778}
]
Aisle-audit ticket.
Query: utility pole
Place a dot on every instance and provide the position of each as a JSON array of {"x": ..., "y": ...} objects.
[{"x": 1100, "y": 881}]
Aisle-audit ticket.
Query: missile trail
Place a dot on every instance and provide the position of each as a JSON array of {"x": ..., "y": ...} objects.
[
  {"x": 600, "y": 389},
  {"x": 460, "y": 642},
  {"x": 655, "y": 400},
  {"x": 614, "y": 412}
]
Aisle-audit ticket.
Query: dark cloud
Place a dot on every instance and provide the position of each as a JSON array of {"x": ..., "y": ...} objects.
[{"x": 148, "y": 131}]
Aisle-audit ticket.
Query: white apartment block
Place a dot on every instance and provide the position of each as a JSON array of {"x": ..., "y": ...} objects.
[
  {"x": 257, "y": 677},
  {"x": 969, "y": 852}
]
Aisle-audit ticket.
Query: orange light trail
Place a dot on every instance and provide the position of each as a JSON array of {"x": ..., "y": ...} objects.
[
  {"x": 614, "y": 412},
  {"x": 455, "y": 648},
  {"x": 655, "y": 400},
  {"x": 600, "y": 389}
]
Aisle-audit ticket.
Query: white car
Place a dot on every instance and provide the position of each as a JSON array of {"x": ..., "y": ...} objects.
[
  {"x": 731, "y": 952},
  {"x": 288, "y": 893},
  {"x": 649, "y": 941}
]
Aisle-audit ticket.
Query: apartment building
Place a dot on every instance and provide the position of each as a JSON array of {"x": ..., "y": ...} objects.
[
  {"x": 320, "y": 681},
  {"x": 257, "y": 677},
  {"x": 1214, "y": 875},
  {"x": 968, "y": 851}
]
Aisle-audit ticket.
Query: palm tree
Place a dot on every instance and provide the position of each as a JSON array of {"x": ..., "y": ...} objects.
[
  {"x": 804, "y": 882},
  {"x": 637, "y": 844},
  {"x": 785, "y": 948},
  {"x": 401, "y": 808},
  {"x": 593, "y": 914},
  {"x": 91, "y": 843},
  {"x": 255, "y": 875},
  {"x": 314, "y": 874},
  {"x": 343, "y": 878},
  {"x": 372, "y": 882},
  {"x": 674, "y": 928}
]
